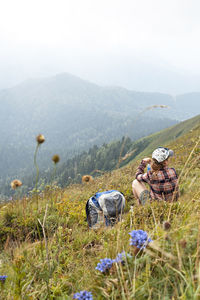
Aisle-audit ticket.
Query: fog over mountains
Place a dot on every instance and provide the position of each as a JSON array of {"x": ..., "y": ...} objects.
[
  {"x": 75, "y": 114},
  {"x": 149, "y": 76},
  {"x": 126, "y": 71}
]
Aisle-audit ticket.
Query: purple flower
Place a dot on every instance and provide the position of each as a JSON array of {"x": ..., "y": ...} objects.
[
  {"x": 104, "y": 265},
  {"x": 3, "y": 278},
  {"x": 139, "y": 238},
  {"x": 120, "y": 257},
  {"x": 83, "y": 295}
]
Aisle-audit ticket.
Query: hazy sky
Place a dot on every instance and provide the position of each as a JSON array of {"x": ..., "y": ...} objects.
[{"x": 94, "y": 39}]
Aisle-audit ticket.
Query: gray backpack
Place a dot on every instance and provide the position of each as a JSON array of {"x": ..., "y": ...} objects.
[{"x": 105, "y": 208}]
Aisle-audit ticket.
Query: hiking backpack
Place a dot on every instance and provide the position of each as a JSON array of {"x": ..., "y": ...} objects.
[{"x": 105, "y": 208}]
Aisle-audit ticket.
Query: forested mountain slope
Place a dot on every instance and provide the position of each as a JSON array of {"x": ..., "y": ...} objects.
[
  {"x": 98, "y": 160},
  {"x": 119, "y": 153}
]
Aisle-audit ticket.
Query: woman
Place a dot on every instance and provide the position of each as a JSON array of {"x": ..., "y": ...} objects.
[{"x": 163, "y": 181}]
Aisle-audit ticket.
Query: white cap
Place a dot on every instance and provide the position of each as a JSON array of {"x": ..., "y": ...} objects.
[{"x": 161, "y": 154}]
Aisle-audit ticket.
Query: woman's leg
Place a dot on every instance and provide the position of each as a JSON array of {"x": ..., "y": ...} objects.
[{"x": 138, "y": 187}]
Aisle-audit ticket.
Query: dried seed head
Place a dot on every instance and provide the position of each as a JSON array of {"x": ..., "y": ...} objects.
[
  {"x": 183, "y": 243},
  {"x": 166, "y": 225},
  {"x": 40, "y": 139},
  {"x": 164, "y": 106},
  {"x": 87, "y": 179},
  {"x": 156, "y": 106},
  {"x": 56, "y": 158},
  {"x": 15, "y": 184}
]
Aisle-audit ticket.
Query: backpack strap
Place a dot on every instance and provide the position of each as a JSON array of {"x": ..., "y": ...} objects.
[{"x": 96, "y": 202}]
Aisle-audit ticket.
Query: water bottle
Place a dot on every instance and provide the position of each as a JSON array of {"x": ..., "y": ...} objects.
[{"x": 148, "y": 167}]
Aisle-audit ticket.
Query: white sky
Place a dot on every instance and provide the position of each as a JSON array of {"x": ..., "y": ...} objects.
[{"x": 45, "y": 36}]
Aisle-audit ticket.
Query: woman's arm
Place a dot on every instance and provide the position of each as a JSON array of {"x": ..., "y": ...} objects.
[{"x": 140, "y": 175}]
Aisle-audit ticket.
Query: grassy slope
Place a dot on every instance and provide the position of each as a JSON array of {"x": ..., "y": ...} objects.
[
  {"x": 144, "y": 146},
  {"x": 168, "y": 269}
]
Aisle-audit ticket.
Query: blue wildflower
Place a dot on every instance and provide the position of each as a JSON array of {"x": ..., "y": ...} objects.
[
  {"x": 120, "y": 257},
  {"x": 3, "y": 278},
  {"x": 104, "y": 265},
  {"x": 139, "y": 238},
  {"x": 83, "y": 295}
]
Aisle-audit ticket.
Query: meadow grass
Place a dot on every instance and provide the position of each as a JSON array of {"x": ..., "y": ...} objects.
[{"x": 48, "y": 252}]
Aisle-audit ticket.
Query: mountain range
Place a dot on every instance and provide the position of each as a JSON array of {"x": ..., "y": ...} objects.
[{"x": 74, "y": 114}]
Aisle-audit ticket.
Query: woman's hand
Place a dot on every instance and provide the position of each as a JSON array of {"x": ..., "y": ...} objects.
[{"x": 147, "y": 160}]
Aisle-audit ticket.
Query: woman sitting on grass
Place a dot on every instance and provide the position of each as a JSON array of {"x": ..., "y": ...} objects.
[{"x": 163, "y": 181}]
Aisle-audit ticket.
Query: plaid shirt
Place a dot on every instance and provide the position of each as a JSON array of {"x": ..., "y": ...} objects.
[{"x": 164, "y": 186}]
